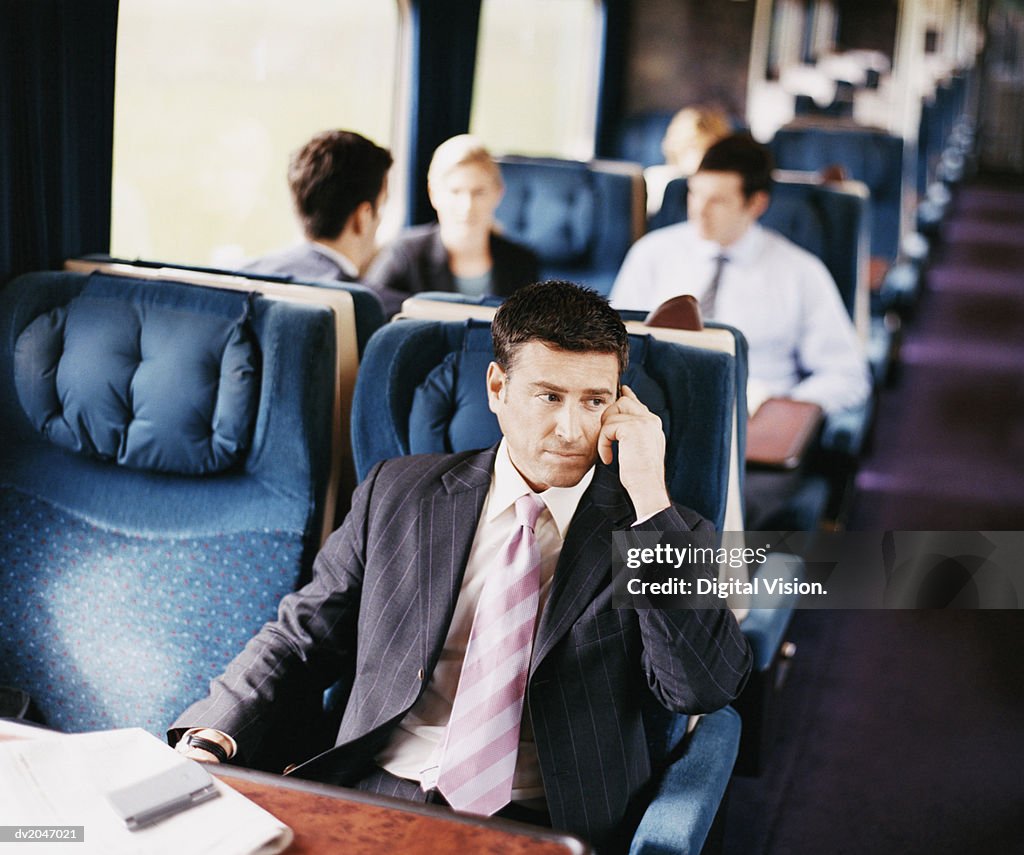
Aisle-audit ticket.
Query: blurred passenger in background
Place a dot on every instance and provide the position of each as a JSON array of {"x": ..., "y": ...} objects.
[
  {"x": 463, "y": 252},
  {"x": 338, "y": 182},
  {"x": 783, "y": 299},
  {"x": 802, "y": 343},
  {"x": 692, "y": 131}
]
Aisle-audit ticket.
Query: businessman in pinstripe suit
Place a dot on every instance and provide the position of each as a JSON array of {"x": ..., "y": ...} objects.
[{"x": 393, "y": 594}]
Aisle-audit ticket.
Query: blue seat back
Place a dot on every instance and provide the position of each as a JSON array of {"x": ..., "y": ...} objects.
[
  {"x": 641, "y": 135},
  {"x": 829, "y": 221},
  {"x": 580, "y": 218},
  {"x": 368, "y": 312},
  {"x": 872, "y": 157},
  {"x": 134, "y": 561},
  {"x": 421, "y": 388}
]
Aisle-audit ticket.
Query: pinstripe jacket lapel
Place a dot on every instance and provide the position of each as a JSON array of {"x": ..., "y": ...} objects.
[
  {"x": 447, "y": 529},
  {"x": 585, "y": 562}
]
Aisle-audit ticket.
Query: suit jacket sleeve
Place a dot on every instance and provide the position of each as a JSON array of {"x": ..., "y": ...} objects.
[
  {"x": 695, "y": 659},
  {"x": 297, "y": 656}
]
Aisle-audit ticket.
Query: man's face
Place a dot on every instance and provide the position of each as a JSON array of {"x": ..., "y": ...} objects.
[
  {"x": 549, "y": 406},
  {"x": 716, "y": 205},
  {"x": 465, "y": 198}
]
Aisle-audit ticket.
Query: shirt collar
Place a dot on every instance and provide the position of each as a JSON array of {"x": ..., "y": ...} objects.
[
  {"x": 507, "y": 485},
  {"x": 343, "y": 261},
  {"x": 744, "y": 251}
]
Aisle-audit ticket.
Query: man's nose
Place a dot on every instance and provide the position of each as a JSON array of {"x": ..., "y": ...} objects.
[{"x": 569, "y": 425}]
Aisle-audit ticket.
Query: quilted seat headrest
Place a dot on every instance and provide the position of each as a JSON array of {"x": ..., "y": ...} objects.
[
  {"x": 149, "y": 376},
  {"x": 551, "y": 209}
]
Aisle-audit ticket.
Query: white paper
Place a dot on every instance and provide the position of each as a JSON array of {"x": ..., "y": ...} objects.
[{"x": 62, "y": 780}]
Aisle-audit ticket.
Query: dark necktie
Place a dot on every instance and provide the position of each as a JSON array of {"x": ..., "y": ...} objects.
[{"x": 707, "y": 302}]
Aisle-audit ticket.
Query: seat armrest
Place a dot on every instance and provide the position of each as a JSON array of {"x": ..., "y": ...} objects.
[
  {"x": 846, "y": 432},
  {"x": 765, "y": 626},
  {"x": 687, "y": 798}
]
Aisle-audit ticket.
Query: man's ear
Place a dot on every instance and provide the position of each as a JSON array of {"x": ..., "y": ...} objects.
[
  {"x": 758, "y": 203},
  {"x": 496, "y": 380},
  {"x": 362, "y": 218}
]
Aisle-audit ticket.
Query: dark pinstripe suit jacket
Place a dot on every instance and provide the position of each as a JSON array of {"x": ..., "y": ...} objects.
[{"x": 379, "y": 607}]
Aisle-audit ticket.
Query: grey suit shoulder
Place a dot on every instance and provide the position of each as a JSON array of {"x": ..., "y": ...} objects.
[{"x": 300, "y": 262}]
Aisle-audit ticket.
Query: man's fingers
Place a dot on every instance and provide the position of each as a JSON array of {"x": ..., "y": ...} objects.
[{"x": 604, "y": 443}]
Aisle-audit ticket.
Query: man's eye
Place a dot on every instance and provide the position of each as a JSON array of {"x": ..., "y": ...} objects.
[
  {"x": 550, "y": 398},
  {"x": 597, "y": 402}
]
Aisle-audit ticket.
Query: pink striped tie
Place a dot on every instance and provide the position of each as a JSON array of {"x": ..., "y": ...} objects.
[{"x": 482, "y": 741}]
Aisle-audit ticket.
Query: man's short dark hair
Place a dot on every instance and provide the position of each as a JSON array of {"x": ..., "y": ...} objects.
[
  {"x": 561, "y": 314},
  {"x": 743, "y": 154},
  {"x": 331, "y": 176}
]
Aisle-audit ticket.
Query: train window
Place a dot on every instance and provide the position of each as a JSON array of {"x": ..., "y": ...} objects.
[
  {"x": 787, "y": 36},
  {"x": 535, "y": 90},
  {"x": 210, "y": 100},
  {"x": 821, "y": 33}
]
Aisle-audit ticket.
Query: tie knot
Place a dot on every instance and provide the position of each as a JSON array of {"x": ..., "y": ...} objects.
[{"x": 528, "y": 509}]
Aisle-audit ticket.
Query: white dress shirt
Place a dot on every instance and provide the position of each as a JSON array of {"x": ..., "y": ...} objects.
[
  {"x": 415, "y": 748},
  {"x": 783, "y": 299}
]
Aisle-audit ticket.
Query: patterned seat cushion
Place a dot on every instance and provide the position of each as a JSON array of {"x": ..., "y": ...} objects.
[{"x": 106, "y": 630}]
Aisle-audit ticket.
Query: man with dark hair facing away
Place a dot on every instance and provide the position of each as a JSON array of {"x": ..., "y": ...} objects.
[
  {"x": 338, "y": 182},
  {"x": 469, "y": 598}
]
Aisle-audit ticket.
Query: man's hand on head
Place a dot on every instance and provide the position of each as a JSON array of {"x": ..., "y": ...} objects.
[{"x": 641, "y": 452}]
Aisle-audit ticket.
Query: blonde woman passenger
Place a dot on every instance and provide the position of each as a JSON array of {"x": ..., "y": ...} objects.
[{"x": 463, "y": 251}]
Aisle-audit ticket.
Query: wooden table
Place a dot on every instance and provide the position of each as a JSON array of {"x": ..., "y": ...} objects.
[{"x": 329, "y": 819}]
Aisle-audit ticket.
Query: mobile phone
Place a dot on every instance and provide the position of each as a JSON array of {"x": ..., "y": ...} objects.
[{"x": 165, "y": 794}]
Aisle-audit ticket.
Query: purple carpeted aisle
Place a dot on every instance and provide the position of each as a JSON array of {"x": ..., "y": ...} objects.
[
  {"x": 948, "y": 452},
  {"x": 903, "y": 732}
]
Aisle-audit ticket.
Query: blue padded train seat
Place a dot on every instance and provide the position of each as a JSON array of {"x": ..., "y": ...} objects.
[
  {"x": 367, "y": 309},
  {"x": 163, "y": 463},
  {"x": 641, "y": 135},
  {"x": 580, "y": 218},
  {"x": 688, "y": 795},
  {"x": 870, "y": 156}
]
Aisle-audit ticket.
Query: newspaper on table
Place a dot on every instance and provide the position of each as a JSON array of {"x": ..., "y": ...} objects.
[{"x": 58, "y": 781}]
